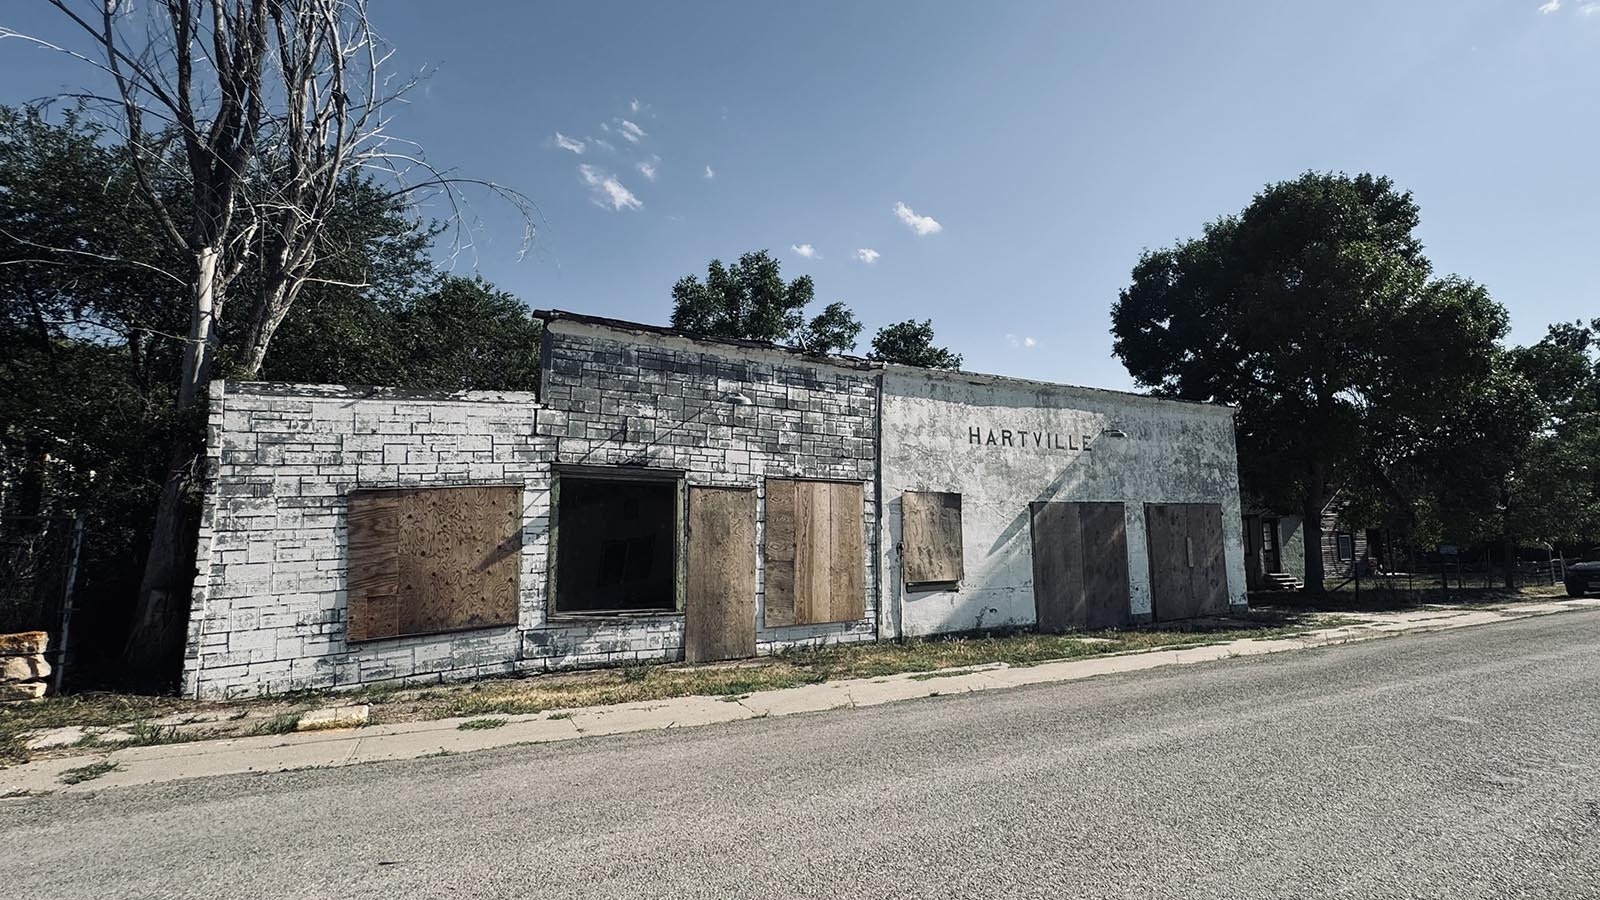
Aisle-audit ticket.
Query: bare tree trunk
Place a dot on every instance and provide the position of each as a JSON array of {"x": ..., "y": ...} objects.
[
  {"x": 202, "y": 328},
  {"x": 1316, "y": 491},
  {"x": 155, "y": 641}
]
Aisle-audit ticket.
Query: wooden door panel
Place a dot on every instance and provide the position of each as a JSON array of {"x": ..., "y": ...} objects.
[
  {"x": 720, "y": 596},
  {"x": 1105, "y": 565},
  {"x": 1057, "y": 565},
  {"x": 1209, "y": 573}
]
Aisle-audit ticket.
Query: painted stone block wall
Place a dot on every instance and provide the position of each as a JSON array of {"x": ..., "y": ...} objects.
[
  {"x": 1003, "y": 443},
  {"x": 724, "y": 415},
  {"x": 269, "y": 606}
]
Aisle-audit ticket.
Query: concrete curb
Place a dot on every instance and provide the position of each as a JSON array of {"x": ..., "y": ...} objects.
[{"x": 413, "y": 740}]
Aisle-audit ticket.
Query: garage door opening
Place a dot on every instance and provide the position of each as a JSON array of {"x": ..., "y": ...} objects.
[{"x": 616, "y": 545}]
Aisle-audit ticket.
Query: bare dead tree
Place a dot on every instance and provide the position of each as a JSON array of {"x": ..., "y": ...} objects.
[{"x": 262, "y": 110}]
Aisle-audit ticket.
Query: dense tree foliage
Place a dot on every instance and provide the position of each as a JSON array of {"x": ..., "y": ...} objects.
[
  {"x": 749, "y": 300},
  {"x": 92, "y": 324},
  {"x": 910, "y": 343},
  {"x": 1315, "y": 312}
]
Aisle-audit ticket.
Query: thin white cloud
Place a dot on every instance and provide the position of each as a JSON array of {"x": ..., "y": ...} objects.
[
  {"x": 806, "y": 250},
  {"x": 922, "y": 225},
  {"x": 647, "y": 167},
  {"x": 1589, "y": 9},
  {"x": 710, "y": 173},
  {"x": 1021, "y": 341},
  {"x": 630, "y": 131},
  {"x": 1029, "y": 342},
  {"x": 868, "y": 255},
  {"x": 1552, "y": 6},
  {"x": 566, "y": 143},
  {"x": 635, "y": 106},
  {"x": 603, "y": 144},
  {"x": 608, "y": 191}
]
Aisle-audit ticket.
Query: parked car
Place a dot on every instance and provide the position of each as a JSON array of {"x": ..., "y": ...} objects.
[{"x": 1584, "y": 576}]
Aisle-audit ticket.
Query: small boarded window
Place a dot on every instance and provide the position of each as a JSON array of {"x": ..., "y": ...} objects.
[
  {"x": 930, "y": 539},
  {"x": 815, "y": 553},
  {"x": 431, "y": 560}
]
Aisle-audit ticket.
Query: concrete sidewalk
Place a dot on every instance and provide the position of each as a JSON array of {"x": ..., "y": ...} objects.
[{"x": 272, "y": 753}]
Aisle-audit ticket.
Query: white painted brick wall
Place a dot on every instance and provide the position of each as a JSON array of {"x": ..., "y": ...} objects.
[{"x": 269, "y": 606}]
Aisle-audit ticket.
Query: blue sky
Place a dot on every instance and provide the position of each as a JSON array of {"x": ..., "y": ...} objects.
[{"x": 1049, "y": 142}]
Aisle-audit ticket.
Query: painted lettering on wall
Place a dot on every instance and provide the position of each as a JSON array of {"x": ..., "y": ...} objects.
[{"x": 1026, "y": 439}]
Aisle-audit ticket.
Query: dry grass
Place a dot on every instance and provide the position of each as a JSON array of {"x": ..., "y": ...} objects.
[
  {"x": 485, "y": 700},
  {"x": 522, "y": 696}
]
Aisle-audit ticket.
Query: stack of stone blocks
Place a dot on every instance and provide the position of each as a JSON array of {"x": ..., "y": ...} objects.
[
  {"x": 269, "y": 604},
  {"x": 23, "y": 668}
]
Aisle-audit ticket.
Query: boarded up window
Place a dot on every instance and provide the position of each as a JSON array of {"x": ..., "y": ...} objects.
[
  {"x": 429, "y": 560},
  {"x": 815, "y": 553},
  {"x": 930, "y": 537}
]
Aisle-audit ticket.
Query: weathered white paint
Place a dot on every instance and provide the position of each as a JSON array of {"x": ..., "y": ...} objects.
[{"x": 1173, "y": 452}]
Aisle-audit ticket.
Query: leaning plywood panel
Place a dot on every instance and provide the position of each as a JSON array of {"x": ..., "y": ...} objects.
[
  {"x": 780, "y": 553},
  {"x": 930, "y": 537},
  {"x": 847, "y": 574},
  {"x": 373, "y": 566},
  {"x": 719, "y": 603}
]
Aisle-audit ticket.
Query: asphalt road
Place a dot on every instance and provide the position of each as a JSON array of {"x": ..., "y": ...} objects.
[{"x": 1459, "y": 764}]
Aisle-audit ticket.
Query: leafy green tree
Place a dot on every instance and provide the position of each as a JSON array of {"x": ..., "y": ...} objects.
[
  {"x": 910, "y": 343},
  {"x": 749, "y": 300},
  {"x": 93, "y": 339},
  {"x": 1314, "y": 312}
]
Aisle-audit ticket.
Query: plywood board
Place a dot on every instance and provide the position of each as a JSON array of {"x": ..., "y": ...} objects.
[
  {"x": 1057, "y": 565},
  {"x": 430, "y": 560},
  {"x": 930, "y": 537},
  {"x": 719, "y": 604},
  {"x": 1209, "y": 575},
  {"x": 847, "y": 557},
  {"x": 1171, "y": 592},
  {"x": 1105, "y": 565},
  {"x": 372, "y": 566},
  {"x": 780, "y": 553}
]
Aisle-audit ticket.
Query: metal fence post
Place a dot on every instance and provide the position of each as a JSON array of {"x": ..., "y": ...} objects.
[{"x": 66, "y": 600}]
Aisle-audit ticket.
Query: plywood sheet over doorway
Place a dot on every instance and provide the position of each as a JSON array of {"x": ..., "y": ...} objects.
[
  {"x": 720, "y": 600},
  {"x": 1188, "y": 577},
  {"x": 1080, "y": 565}
]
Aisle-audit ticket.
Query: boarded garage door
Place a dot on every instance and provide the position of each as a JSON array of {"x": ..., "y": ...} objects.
[
  {"x": 1187, "y": 575},
  {"x": 719, "y": 609},
  {"x": 1080, "y": 565}
]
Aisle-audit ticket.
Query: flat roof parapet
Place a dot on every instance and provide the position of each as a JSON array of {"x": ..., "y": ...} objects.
[{"x": 372, "y": 392}]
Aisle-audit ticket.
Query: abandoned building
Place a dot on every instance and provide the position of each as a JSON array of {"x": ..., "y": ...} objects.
[
  {"x": 1015, "y": 503},
  {"x": 1275, "y": 548},
  {"x": 671, "y": 497}
]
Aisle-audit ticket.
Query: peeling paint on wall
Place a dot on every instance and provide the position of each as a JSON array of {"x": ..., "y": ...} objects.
[{"x": 937, "y": 430}]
